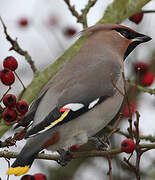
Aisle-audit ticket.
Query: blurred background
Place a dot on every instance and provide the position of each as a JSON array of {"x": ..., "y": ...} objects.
[{"x": 46, "y": 28}]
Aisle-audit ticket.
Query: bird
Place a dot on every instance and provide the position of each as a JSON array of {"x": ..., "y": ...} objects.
[{"x": 81, "y": 98}]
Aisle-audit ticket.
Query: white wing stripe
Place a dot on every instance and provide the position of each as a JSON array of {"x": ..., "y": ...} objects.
[
  {"x": 74, "y": 106},
  {"x": 93, "y": 103}
]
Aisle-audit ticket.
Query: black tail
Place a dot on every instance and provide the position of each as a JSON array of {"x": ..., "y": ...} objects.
[{"x": 24, "y": 160}]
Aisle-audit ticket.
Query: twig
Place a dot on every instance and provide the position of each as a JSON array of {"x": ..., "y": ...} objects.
[
  {"x": 110, "y": 168},
  {"x": 136, "y": 124},
  {"x": 8, "y": 142},
  {"x": 8, "y": 166},
  {"x": 73, "y": 11},
  {"x": 148, "y": 11},
  {"x": 138, "y": 150},
  {"x": 11, "y": 141},
  {"x": 128, "y": 104},
  {"x": 16, "y": 47},
  {"x": 141, "y": 88},
  {"x": 85, "y": 11},
  {"x": 142, "y": 137},
  {"x": 81, "y": 18},
  {"x": 129, "y": 164},
  {"x": 114, "y": 129}
]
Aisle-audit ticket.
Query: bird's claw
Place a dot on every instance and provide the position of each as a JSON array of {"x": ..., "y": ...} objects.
[
  {"x": 65, "y": 157},
  {"x": 100, "y": 143}
]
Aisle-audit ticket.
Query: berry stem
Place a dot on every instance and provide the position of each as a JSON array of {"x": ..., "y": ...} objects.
[
  {"x": 5, "y": 93},
  {"x": 20, "y": 80}
]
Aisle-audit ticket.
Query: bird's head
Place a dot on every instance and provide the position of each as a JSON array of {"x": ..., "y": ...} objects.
[{"x": 118, "y": 37}]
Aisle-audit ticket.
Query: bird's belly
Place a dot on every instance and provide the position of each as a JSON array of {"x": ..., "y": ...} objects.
[{"x": 78, "y": 130}]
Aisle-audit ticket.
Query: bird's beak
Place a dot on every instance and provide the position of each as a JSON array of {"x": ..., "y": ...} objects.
[{"x": 142, "y": 38}]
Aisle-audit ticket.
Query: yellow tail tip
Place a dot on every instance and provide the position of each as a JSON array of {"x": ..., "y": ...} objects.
[{"x": 18, "y": 171}]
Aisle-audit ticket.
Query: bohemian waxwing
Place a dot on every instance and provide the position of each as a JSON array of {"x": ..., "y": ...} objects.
[{"x": 81, "y": 99}]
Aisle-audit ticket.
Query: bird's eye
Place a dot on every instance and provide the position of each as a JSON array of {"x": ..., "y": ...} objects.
[{"x": 126, "y": 33}]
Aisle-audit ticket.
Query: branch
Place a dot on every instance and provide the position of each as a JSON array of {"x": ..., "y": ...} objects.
[
  {"x": 120, "y": 10},
  {"x": 78, "y": 155},
  {"x": 17, "y": 48},
  {"x": 85, "y": 11},
  {"x": 74, "y": 155},
  {"x": 73, "y": 11}
]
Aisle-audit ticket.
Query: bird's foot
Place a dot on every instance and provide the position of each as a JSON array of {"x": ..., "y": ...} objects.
[
  {"x": 65, "y": 157},
  {"x": 102, "y": 143}
]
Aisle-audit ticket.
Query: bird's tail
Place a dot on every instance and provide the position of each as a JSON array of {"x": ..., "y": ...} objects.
[{"x": 23, "y": 161}]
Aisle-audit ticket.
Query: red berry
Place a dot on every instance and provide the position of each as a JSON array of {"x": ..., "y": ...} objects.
[
  {"x": 125, "y": 109},
  {"x": 141, "y": 67},
  {"x": 9, "y": 100},
  {"x": 74, "y": 148},
  {"x": 7, "y": 77},
  {"x": 136, "y": 18},
  {"x": 69, "y": 32},
  {"x": 128, "y": 145},
  {"x": 53, "y": 21},
  {"x": 147, "y": 79},
  {"x": 9, "y": 115},
  {"x": 23, "y": 22},
  {"x": 39, "y": 176},
  {"x": 11, "y": 63},
  {"x": 27, "y": 177},
  {"x": 22, "y": 106},
  {"x": 19, "y": 136}
]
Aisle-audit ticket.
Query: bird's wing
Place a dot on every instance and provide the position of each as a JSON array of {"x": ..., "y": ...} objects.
[
  {"x": 31, "y": 113},
  {"x": 75, "y": 98}
]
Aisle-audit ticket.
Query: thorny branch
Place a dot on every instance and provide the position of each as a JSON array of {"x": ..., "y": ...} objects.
[{"x": 18, "y": 49}]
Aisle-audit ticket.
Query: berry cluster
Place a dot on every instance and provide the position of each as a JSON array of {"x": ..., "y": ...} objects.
[
  {"x": 38, "y": 176},
  {"x": 13, "y": 109},
  {"x": 145, "y": 75}
]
